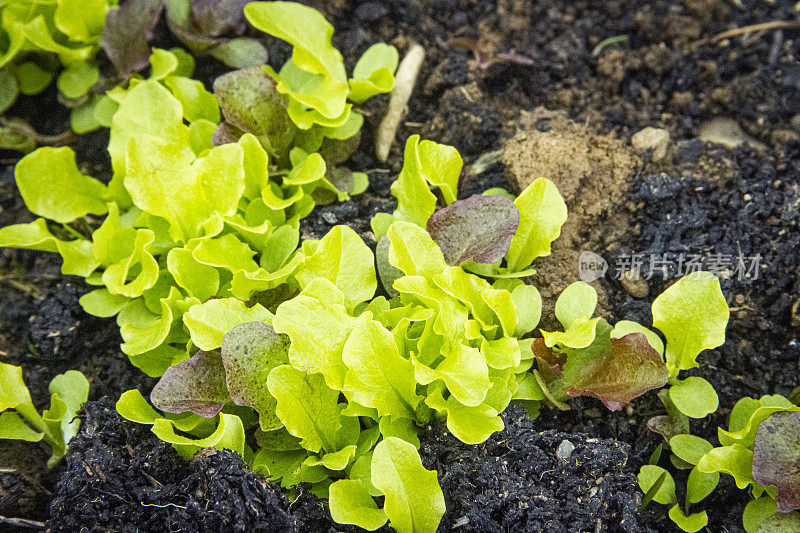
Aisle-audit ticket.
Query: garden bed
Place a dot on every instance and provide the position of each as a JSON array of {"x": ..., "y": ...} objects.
[{"x": 520, "y": 80}]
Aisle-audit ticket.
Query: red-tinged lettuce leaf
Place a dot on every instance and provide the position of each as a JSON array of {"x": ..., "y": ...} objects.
[
  {"x": 196, "y": 385},
  {"x": 478, "y": 228},
  {"x": 249, "y": 352},
  {"x": 250, "y": 102},
  {"x": 628, "y": 369},
  {"x": 225, "y": 133},
  {"x": 127, "y": 34},
  {"x": 218, "y": 17},
  {"x": 776, "y": 458},
  {"x": 549, "y": 362},
  {"x": 213, "y": 27},
  {"x": 197, "y": 42}
]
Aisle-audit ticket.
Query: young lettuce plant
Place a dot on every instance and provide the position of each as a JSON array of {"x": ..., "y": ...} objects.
[
  {"x": 759, "y": 450},
  {"x": 618, "y": 363},
  {"x": 342, "y": 380},
  {"x": 319, "y": 95},
  {"x": 480, "y": 233},
  {"x": 293, "y": 368},
  {"x": 186, "y": 222},
  {"x": 40, "y": 39},
  {"x": 56, "y": 426}
]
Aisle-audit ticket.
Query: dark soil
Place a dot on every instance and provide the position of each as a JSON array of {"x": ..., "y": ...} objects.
[
  {"x": 120, "y": 477},
  {"x": 700, "y": 199},
  {"x": 515, "y": 481}
]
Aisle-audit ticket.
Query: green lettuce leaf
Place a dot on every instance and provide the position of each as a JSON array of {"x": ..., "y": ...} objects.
[
  {"x": 342, "y": 258},
  {"x": 66, "y": 194},
  {"x": 374, "y": 72},
  {"x": 542, "y": 212},
  {"x": 692, "y": 314},
  {"x": 209, "y": 322},
  {"x": 377, "y": 375},
  {"x": 307, "y": 407},
  {"x": 350, "y": 503},
  {"x": 414, "y": 502}
]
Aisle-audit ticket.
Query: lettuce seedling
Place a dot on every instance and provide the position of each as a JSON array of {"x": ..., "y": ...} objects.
[
  {"x": 205, "y": 28},
  {"x": 40, "y": 40},
  {"x": 618, "y": 363},
  {"x": 350, "y": 377},
  {"x": 759, "y": 450},
  {"x": 693, "y": 315},
  {"x": 480, "y": 233},
  {"x": 592, "y": 358},
  {"x": 186, "y": 222},
  {"x": 304, "y": 107},
  {"x": 56, "y": 426},
  {"x": 320, "y": 96},
  {"x": 332, "y": 341}
]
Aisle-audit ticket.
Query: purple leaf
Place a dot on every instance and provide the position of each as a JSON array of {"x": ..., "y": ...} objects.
[
  {"x": 629, "y": 368},
  {"x": 196, "y": 385},
  {"x": 776, "y": 458},
  {"x": 249, "y": 100},
  {"x": 218, "y": 17},
  {"x": 127, "y": 34},
  {"x": 198, "y": 43},
  {"x": 225, "y": 133},
  {"x": 549, "y": 362},
  {"x": 478, "y": 228}
]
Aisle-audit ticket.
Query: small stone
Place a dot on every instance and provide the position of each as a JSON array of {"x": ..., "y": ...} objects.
[
  {"x": 564, "y": 450},
  {"x": 682, "y": 99},
  {"x": 795, "y": 123},
  {"x": 635, "y": 284},
  {"x": 784, "y": 136},
  {"x": 724, "y": 131},
  {"x": 796, "y": 314},
  {"x": 656, "y": 139},
  {"x": 330, "y": 218},
  {"x": 722, "y": 95}
]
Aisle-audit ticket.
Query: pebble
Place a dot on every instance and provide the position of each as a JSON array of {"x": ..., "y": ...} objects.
[
  {"x": 635, "y": 284},
  {"x": 795, "y": 123},
  {"x": 785, "y": 136},
  {"x": 564, "y": 450},
  {"x": 656, "y": 139},
  {"x": 724, "y": 131}
]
